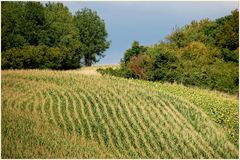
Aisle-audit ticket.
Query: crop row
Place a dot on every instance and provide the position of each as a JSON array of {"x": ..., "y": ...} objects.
[{"x": 132, "y": 121}]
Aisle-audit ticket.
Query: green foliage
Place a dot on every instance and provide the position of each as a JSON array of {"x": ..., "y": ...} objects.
[
  {"x": 52, "y": 26},
  {"x": 164, "y": 62},
  {"x": 22, "y": 23},
  {"x": 133, "y": 51},
  {"x": 130, "y": 69},
  {"x": 141, "y": 66},
  {"x": 11, "y": 19},
  {"x": 230, "y": 56},
  {"x": 226, "y": 34},
  {"x": 195, "y": 31},
  {"x": 40, "y": 56},
  {"x": 61, "y": 30},
  {"x": 203, "y": 54},
  {"x": 222, "y": 32},
  {"x": 33, "y": 24},
  {"x": 92, "y": 35},
  {"x": 118, "y": 72}
]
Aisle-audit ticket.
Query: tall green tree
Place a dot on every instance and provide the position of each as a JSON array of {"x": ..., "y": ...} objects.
[
  {"x": 227, "y": 33},
  {"x": 61, "y": 32},
  {"x": 22, "y": 23},
  {"x": 92, "y": 35},
  {"x": 11, "y": 24},
  {"x": 33, "y": 24}
]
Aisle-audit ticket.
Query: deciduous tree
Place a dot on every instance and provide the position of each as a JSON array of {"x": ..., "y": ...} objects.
[{"x": 92, "y": 35}]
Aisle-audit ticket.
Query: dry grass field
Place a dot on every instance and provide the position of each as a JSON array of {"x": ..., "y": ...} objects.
[{"x": 61, "y": 114}]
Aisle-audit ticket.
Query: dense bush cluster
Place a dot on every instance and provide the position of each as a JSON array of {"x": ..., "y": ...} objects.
[
  {"x": 41, "y": 56},
  {"x": 35, "y": 35},
  {"x": 203, "y": 53}
]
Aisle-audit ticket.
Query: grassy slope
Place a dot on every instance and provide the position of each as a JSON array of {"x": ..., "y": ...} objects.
[
  {"x": 26, "y": 135},
  {"x": 149, "y": 122},
  {"x": 220, "y": 107},
  {"x": 223, "y": 109}
]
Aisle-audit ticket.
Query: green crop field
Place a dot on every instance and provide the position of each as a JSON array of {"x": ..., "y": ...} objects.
[{"x": 65, "y": 114}]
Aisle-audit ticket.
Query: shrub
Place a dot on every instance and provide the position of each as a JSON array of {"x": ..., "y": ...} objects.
[
  {"x": 141, "y": 66},
  {"x": 204, "y": 54},
  {"x": 133, "y": 51},
  {"x": 118, "y": 72},
  {"x": 30, "y": 57}
]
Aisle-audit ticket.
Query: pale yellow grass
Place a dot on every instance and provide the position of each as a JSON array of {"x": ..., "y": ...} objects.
[{"x": 92, "y": 70}]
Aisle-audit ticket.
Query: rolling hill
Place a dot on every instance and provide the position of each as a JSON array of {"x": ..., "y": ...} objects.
[{"x": 66, "y": 114}]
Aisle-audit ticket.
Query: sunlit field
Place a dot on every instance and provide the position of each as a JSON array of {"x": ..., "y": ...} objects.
[{"x": 66, "y": 114}]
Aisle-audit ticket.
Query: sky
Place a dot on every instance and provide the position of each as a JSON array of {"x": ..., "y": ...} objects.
[{"x": 147, "y": 22}]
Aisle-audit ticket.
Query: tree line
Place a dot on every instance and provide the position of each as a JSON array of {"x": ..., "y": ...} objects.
[
  {"x": 37, "y": 35},
  {"x": 203, "y": 53}
]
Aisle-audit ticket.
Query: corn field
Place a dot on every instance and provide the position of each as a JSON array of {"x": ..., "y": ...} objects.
[{"x": 128, "y": 119}]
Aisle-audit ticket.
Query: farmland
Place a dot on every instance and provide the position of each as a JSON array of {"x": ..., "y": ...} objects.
[{"x": 65, "y": 114}]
